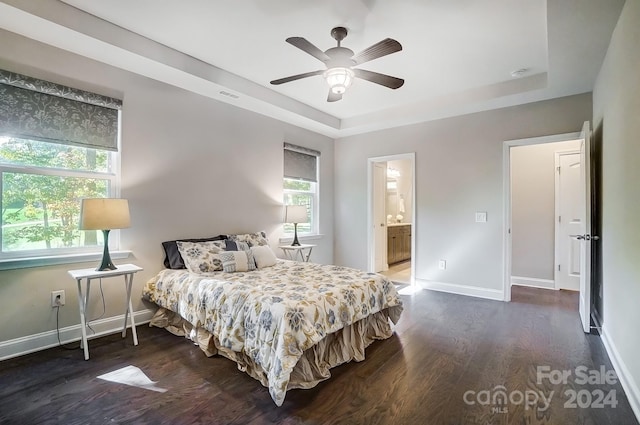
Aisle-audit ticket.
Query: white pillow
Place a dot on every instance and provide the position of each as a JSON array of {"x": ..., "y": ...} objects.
[
  {"x": 237, "y": 261},
  {"x": 264, "y": 256}
]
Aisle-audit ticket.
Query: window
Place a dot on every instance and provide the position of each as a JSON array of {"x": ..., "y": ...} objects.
[
  {"x": 42, "y": 184},
  {"x": 54, "y": 150},
  {"x": 301, "y": 185}
]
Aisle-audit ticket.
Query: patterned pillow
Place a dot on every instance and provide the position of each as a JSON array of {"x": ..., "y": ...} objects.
[
  {"x": 253, "y": 239},
  {"x": 237, "y": 261},
  {"x": 201, "y": 257}
]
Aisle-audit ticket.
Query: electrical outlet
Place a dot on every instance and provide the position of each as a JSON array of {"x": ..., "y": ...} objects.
[
  {"x": 442, "y": 264},
  {"x": 57, "y": 298}
]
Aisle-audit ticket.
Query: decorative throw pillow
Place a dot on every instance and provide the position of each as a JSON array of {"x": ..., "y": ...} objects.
[
  {"x": 237, "y": 261},
  {"x": 264, "y": 256},
  {"x": 201, "y": 257},
  {"x": 172, "y": 257},
  {"x": 236, "y": 245},
  {"x": 253, "y": 239}
]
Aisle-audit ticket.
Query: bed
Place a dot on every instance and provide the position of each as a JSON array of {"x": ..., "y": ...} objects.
[{"x": 286, "y": 324}]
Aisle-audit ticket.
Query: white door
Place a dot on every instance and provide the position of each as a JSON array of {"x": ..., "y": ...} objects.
[
  {"x": 569, "y": 220},
  {"x": 379, "y": 216},
  {"x": 584, "y": 236}
]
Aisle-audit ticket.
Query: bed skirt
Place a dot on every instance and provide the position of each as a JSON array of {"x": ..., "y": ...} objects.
[{"x": 348, "y": 343}]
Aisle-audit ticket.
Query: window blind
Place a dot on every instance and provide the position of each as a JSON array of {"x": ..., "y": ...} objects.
[
  {"x": 41, "y": 110},
  {"x": 300, "y": 163}
]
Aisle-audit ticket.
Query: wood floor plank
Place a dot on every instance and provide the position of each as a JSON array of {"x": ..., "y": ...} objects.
[{"x": 444, "y": 346}]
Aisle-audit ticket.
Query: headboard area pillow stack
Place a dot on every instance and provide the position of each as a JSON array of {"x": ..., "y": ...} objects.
[
  {"x": 255, "y": 245},
  {"x": 202, "y": 255}
]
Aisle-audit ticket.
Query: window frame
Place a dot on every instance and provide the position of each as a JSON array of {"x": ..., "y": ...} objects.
[
  {"x": 38, "y": 257},
  {"x": 315, "y": 206},
  {"x": 297, "y": 167}
]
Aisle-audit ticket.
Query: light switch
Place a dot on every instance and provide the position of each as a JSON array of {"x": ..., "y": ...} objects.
[
  {"x": 442, "y": 264},
  {"x": 481, "y": 217}
]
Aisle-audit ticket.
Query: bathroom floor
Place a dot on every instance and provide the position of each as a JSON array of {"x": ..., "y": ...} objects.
[{"x": 399, "y": 272}]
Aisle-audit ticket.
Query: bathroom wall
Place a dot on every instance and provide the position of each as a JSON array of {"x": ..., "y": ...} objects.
[{"x": 403, "y": 192}]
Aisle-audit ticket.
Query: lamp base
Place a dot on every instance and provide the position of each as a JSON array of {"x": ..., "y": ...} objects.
[
  {"x": 295, "y": 242},
  {"x": 106, "y": 263}
]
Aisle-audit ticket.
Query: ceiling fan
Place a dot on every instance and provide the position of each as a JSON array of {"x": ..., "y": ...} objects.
[{"x": 340, "y": 62}]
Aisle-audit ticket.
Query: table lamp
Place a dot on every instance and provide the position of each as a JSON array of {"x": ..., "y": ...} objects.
[
  {"x": 295, "y": 214},
  {"x": 104, "y": 214}
]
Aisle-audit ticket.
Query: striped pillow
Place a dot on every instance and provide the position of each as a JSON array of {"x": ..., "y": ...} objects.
[{"x": 237, "y": 261}]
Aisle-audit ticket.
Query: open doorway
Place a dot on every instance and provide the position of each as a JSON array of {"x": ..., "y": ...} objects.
[
  {"x": 547, "y": 230},
  {"x": 545, "y": 210},
  {"x": 391, "y": 220}
]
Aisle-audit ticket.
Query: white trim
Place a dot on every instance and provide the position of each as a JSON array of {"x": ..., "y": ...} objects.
[
  {"x": 314, "y": 237},
  {"x": 506, "y": 196},
  {"x": 411, "y": 156},
  {"x": 453, "y": 288},
  {"x": 23, "y": 263},
  {"x": 629, "y": 385},
  {"x": 41, "y": 341},
  {"x": 533, "y": 282},
  {"x": 506, "y": 226}
]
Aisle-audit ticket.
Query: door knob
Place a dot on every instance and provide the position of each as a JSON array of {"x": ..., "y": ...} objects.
[{"x": 579, "y": 237}]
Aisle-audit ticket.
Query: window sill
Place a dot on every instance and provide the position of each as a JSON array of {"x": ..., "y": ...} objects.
[
  {"x": 304, "y": 238},
  {"x": 24, "y": 263}
]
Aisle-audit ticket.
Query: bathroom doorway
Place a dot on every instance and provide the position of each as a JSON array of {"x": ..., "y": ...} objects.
[{"x": 392, "y": 217}]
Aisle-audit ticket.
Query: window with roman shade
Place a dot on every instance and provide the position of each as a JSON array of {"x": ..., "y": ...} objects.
[
  {"x": 57, "y": 145},
  {"x": 301, "y": 185}
]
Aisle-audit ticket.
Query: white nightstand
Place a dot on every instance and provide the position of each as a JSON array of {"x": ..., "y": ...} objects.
[
  {"x": 126, "y": 270},
  {"x": 293, "y": 252}
]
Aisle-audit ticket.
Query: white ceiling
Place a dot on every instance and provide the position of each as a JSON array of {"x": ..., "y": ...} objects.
[{"x": 457, "y": 55}]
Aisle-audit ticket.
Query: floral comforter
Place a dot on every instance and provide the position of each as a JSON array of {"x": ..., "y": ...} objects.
[{"x": 274, "y": 314}]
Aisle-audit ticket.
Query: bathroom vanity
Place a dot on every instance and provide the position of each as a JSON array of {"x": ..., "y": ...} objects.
[{"x": 398, "y": 242}]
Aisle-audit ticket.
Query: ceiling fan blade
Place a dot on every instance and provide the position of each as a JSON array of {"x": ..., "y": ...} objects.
[
  {"x": 383, "y": 48},
  {"x": 296, "y": 77},
  {"x": 333, "y": 97},
  {"x": 306, "y": 46},
  {"x": 382, "y": 79}
]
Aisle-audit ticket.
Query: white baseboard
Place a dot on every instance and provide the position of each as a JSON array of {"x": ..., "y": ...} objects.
[
  {"x": 452, "y": 288},
  {"x": 533, "y": 282},
  {"x": 42, "y": 341},
  {"x": 630, "y": 386}
]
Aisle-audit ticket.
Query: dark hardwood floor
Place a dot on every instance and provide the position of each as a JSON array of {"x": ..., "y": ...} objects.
[{"x": 446, "y": 349}]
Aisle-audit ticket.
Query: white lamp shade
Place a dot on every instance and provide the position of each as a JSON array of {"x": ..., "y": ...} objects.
[
  {"x": 104, "y": 214},
  {"x": 295, "y": 214}
]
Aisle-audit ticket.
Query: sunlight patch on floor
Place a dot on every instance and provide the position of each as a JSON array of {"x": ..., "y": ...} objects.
[
  {"x": 410, "y": 290},
  {"x": 131, "y": 375}
]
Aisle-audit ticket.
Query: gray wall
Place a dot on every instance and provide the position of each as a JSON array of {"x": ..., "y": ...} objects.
[
  {"x": 458, "y": 172},
  {"x": 191, "y": 167},
  {"x": 616, "y": 113},
  {"x": 533, "y": 209}
]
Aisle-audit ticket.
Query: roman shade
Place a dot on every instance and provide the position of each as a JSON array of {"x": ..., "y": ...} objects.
[
  {"x": 300, "y": 163},
  {"x": 41, "y": 110}
]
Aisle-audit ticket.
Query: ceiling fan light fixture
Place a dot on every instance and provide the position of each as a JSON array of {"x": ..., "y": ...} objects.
[
  {"x": 339, "y": 79},
  {"x": 339, "y": 62}
]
